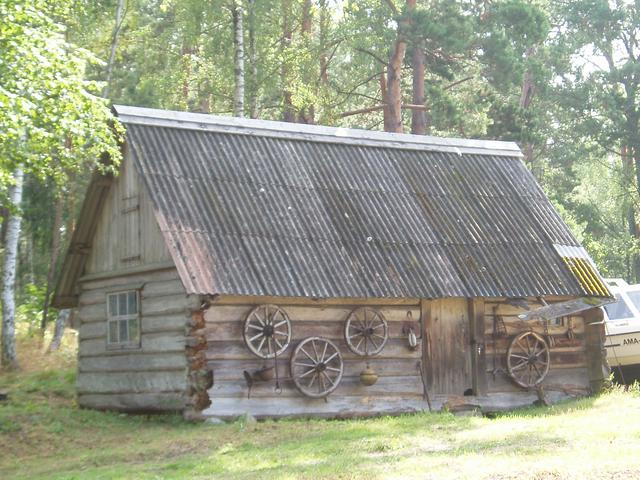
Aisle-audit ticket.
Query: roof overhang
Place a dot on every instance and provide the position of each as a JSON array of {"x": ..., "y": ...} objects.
[{"x": 316, "y": 133}]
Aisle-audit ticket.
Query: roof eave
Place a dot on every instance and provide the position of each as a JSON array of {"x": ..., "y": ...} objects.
[{"x": 267, "y": 128}]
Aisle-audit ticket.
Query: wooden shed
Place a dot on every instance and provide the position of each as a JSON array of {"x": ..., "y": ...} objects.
[{"x": 243, "y": 266}]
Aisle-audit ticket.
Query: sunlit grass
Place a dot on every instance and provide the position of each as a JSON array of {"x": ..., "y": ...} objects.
[{"x": 44, "y": 435}]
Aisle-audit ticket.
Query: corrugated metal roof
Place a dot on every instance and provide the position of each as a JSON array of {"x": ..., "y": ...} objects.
[{"x": 248, "y": 209}]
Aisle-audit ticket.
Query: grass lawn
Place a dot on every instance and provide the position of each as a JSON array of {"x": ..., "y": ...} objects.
[{"x": 44, "y": 435}]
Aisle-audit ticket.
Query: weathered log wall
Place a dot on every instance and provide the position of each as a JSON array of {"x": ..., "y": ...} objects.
[
  {"x": 399, "y": 387},
  {"x": 569, "y": 356},
  {"x": 152, "y": 377}
]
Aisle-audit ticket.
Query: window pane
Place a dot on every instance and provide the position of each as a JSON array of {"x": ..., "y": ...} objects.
[
  {"x": 113, "y": 305},
  {"x": 133, "y": 330},
  {"x": 618, "y": 310},
  {"x": 122, "y": 304},
  {"x": 132, "y": 304},
  {"x": 113, "y": 332},
  {"x": 635, "y": 298},
  {"x": 124, "y": 334}
]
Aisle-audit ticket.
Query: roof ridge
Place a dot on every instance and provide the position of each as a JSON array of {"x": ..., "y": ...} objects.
[{"x": 270, "y": 128}]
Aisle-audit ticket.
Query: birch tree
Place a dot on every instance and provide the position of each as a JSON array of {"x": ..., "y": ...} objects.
[{"x": 51, "y": 120}]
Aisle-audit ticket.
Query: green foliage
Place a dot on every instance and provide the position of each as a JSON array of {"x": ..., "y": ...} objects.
[
  {"x": 50, "y": 117},
  {"x": 29, "y": 310}
]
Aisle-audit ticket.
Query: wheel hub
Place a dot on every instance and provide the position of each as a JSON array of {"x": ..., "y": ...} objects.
[
  {"x": 267, "y": 331},
  {"x": 321, "y": 367}
]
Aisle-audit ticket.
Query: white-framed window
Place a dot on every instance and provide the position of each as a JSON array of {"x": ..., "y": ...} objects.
[{"x": 123, "y": 319}]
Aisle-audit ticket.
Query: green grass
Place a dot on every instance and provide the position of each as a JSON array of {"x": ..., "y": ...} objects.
[{"x": 44, "y": 435}]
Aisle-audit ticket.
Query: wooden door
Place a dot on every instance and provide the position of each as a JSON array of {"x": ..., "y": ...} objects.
[{"x": 447, "y": 346}]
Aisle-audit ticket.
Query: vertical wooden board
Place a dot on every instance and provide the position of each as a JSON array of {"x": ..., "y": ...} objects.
[
  {"x": 448, "y": 357},
  {"x": 478, "y": 350},
  {"x": 124, "y": 232}
]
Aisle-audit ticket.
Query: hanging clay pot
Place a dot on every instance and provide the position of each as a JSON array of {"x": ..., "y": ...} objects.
[{"x": 368, "y": 376}]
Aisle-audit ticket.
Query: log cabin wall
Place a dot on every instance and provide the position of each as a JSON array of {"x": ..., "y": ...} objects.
[
  {"x": 568, "y": 372},
  {"x": 151, "y": 377},
  {"x": 398, "y": 389},
  {"x": 128, "y": 253}
]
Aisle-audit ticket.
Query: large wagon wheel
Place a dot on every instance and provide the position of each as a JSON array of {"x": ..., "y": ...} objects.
[
  {"x": 267, "y": 331},
  {"x": 366, "y": 331},
  {"x": 316, "y": 367},
  {"x": 528, "y": 359}
]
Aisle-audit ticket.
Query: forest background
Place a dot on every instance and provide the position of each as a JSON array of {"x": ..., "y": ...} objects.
[{"x": 561, "y": 78}]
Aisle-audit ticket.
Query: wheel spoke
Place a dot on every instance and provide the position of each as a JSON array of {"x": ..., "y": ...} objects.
[
  {"x": 333, "y": 369},
  {"x": 255, "y": 327},
  {"x": 331, "y": 358},
  {"x": 279, "y": 323},
  {"x": 311, "y": 370},
  {"x": 357, "y": 347},
  {"x": 304, "y": 365},
  {"x": 519, "y": 366},
  {"x": 321, "y": 385},
  {"x": 264, "y": 339},
  {"x": 255, "y": 336},
  {"x": 308, "y": 356},
  {"x": 257, "y": 317},
  {"x": 313, "y": 379},
  {"x": 537, "y": 371},
  {"x": 541, "y": 352},
  {"x": 277, "y": 343},
  {"x": 520, "y": 356},
  {"x": 315, "y": 350},
  {"x": 324, "y": 352},
  {"x": 375, "y": 345},
  {"x": 278, "y": 332},
  {"x": 327, "y": 377}
]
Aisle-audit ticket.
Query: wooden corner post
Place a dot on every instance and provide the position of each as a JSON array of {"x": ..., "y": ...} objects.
[
  {"x": 476, "y": 339},
  {"x": 595, "y": 350}
]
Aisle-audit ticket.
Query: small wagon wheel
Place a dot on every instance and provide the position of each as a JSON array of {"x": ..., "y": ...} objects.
[
  {"x": 366, "y": 331},
  {"x": 316, "y": 367},
  {"x": 528, "y": 359},
  {"x": 267, "y": 331}
]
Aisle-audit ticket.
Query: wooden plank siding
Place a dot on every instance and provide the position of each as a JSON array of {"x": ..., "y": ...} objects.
[
  {"x": 398, "y": 389},
  {"x": 127, "y": 233},
  {"x": 152, "y": 377},
  {"x": 568, "y": 370},
  {"x": 459, "y": 354}
]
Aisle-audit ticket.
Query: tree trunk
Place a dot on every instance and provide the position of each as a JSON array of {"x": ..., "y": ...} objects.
[
  {"x": 120, "y": 10},
  {"x": 324, "y": 28},
  {"x": 418, "y": 117},
  {"x": 9, "y": 358},
  {"x": 288, "y": 112},
  {"x": 58, "y": 331},
  {"x": 307, "y": 114},
  {"x": 526, "y": 97},
  {"x": 238, "y": 42},
  {"x": 393, "y": 100},
  {"x": 393, "y": 97},
  {"x": 53, "y": 259},
  {"x": 253, "y": 62}
]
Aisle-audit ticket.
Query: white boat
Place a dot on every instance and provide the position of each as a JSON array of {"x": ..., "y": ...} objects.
[{"x": 622, "y": 324}]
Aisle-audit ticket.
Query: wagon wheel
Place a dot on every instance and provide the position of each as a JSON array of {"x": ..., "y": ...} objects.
[
  {"x": 366, "y": 331},
  {"x": 267, "y": 331},
  {"x": 316, "y": 367},
  {"x": 528, "y": 359}
]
